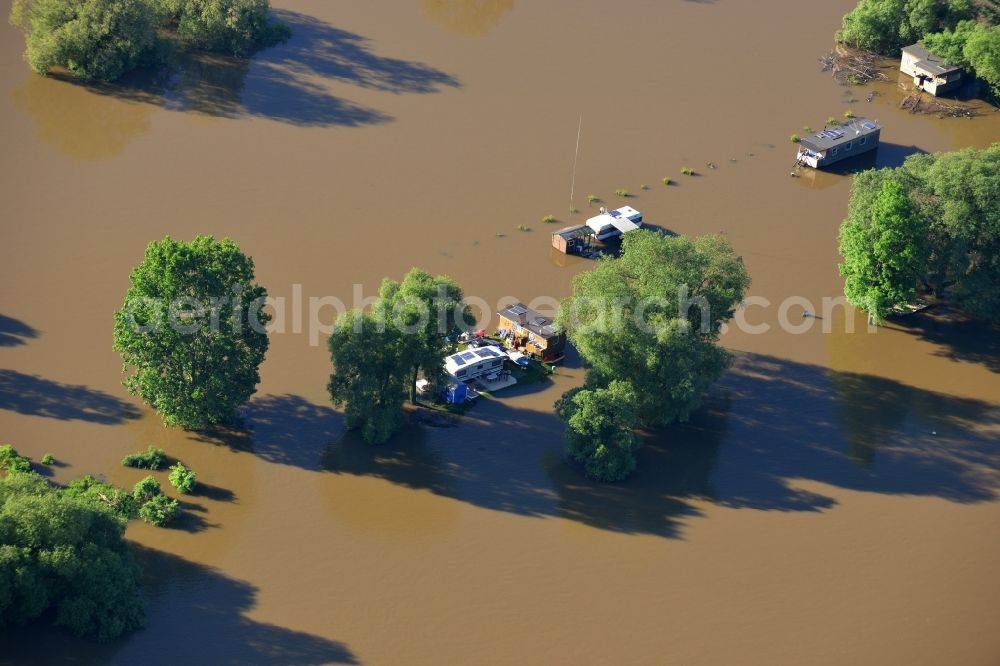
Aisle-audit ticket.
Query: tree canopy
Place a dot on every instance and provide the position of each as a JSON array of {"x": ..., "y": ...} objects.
[
  {"x": 652, "y": 318},
  {"x": 371, "y": 367},
  {"x": 885, "y": 26},
  {"x": 100, "y": 40},
  {"x": 972, "y": 45},
  {"x": 428, "y": 310},
  {"x": 192, "y": 328},
  {"x": 600, "y": 426},
  {"x": 62, "y": 553},
  {"x": 884, "y": 252}
]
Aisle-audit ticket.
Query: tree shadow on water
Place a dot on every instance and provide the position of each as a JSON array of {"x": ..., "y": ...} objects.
[
  {"x": 14, "y": 332},
  {"x": 35, "y": 396},
  {"x": 767, "y": 428},
  {"x": 958, "y": 337},
  {"x": 289, "y": 83},
  {"x": 195, "y": 615}
]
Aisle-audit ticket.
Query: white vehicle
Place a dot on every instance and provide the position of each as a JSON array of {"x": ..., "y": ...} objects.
[
  {"x": 473, "y": 363},
  {"x": 614, "y": 223}
]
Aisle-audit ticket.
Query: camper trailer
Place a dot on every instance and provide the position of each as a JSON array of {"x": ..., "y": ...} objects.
[
  {"x": 475, "y": 363},
  {"x": 612, "y": 224}
]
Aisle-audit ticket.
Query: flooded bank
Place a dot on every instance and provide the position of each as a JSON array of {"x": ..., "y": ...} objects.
[{"x": 834, "y": 502}]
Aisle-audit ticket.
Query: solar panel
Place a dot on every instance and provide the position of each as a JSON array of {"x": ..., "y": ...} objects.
[
  {"x": 869, "y": 125},
  {"x": 518, "y": 309},
  {"x": 539, "y": 321}
]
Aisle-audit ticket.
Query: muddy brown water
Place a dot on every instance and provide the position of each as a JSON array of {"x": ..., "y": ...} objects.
[{"x": 834, "y": 502}]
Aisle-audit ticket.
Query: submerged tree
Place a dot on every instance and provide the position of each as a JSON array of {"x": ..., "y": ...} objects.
[
  {"x": 426, "y": 309},
  {"x": 371, "y": 366},
  {"x": 600, "y": 427},
  {"x": 885, "y": 252},
  {"x": 193, "y": 329},
  {"x": 64, "y": 554},
  {"x": 653, "y": 317}
]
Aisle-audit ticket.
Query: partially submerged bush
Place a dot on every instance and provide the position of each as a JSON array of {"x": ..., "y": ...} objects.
[
  {"x": 48, "y": 459},
  {"x": 667, "y": 181},
  {"x": 687, "y": 171},
  {"x": 12, "y": 461},
  {"x": 549, "y": 219},
  {"x": 182, "y": 478},
  {"x": 151, "y": 458},
  {"x": 794, "y": 138},
  {"x": 239, "y": 27},
  {"x": 160, "y": 510},
  {"x": 145, "y": 490},
  {"x": 109, "y": 497},
  {"x": 621, "y": 192}
]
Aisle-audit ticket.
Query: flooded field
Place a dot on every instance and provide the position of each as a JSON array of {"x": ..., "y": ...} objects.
[{"x": 836, "y": 501}]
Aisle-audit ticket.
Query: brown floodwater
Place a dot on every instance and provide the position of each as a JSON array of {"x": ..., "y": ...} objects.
[{"x": 836, "y": 500}]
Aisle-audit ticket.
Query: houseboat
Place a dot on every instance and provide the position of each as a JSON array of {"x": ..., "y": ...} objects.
[
  {"x": 930, "y": 72},
  {"x": 475, "y": 363},
  {"x": 531, "y": 333},
  {"x": 838, "y": 142},
  {"x": 611, "y": 224}
]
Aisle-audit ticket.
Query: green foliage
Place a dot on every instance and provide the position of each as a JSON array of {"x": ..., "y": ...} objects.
[
  {"x": 48, "y": 459},
  {"x": 591, "y": 198},
  {"x": 182, "y": 478},
  {"x": 621, "y": 192},
  {"x": 971, "y": 45},
  {"x": 64, "y": 554},
  {"x": 105, "y": 496},
  {"x": 794, "y": 138},
  {"x": 93, "y": 39},
  {"x": 146, "y": 489},
  {"x": 628, "y": 319},
  {"x": 807, "y": 129},
  {"x": 152, "y": 458},
  {"x": 549, "y": 219},
  {"x": 687, "y": 171},
  {"x": 371, "y": 368},
  {"x": 160, "y": 510},
  {"x": 573, "y": 210},
  {"x": 884, "y": 252},
  {"x": 599, "y": 429},
  {"x": 523, "y": 227},
  {"x": 192, "y": 327},
  {"x": 100, "y": 40},
  {"x": 885, "y": 26},
  {"x": 832, "y": 121},
  {"x": 644, "y": 186},
  {"x": 849, "y": 114},
  {"x": 12, "y": 461},
  {"x": 667, "y": 181}
]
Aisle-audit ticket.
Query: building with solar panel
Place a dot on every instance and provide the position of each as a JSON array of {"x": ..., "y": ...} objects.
[
  {"x": 839, "y": 142},
  {"x": 530, "y": 332},
  {"x": 475, "y": 363}
]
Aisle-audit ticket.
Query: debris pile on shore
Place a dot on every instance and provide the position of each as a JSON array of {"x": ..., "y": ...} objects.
[
  {"x": 852, "y": 67},
  {"x": 918, "y": 102}
]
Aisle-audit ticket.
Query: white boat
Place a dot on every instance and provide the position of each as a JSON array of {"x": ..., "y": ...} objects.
[{"x": 518, "y": 358}]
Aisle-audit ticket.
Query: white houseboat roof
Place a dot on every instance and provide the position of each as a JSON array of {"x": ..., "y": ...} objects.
[
  {"x": 623, "y": 219},
  {"x": 838, "y": 134}
]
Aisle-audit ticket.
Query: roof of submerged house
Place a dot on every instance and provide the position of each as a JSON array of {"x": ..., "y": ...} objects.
[
  {"x": 529, "y": 319},
  {"x": 929, "y": 62},
  {"x": 832, "y": 137}
]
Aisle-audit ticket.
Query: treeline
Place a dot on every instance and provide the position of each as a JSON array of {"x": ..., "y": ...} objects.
[
  {"x": 963, "y": 31},
  {"x": 931, "y": 225},
  {"x": 101, "y": 40}
]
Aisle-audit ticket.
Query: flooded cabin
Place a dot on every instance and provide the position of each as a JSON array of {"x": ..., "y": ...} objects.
[
  {"x": 612, "y": 224},
  {"x": 839, "y": 142},
  {"x": 529, "y": 331},
  {"x": 930, "y": 72},
  {"x": 574, "y": 240}
]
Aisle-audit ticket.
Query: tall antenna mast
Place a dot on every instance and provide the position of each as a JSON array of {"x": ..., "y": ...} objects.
[{"x": 572, "y": 186}]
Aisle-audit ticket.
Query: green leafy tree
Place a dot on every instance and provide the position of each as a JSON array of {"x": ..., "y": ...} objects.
[
  {"x": 192, "y": 327},
  {"x": 182, "y": 478},
  {"x": 982, "y": 51},
  {"x": 371, "y": 366},
  {"x": 12, "y": 461},
  {"x": 653, "y": 317},
  {"x": 426, "y": 310},
  {"x": 160, "y": 510},
  {"x": 146, "y": 489},
  {"x": 64, "y": 557},
  {"x": 239, "y": 27},
  {"x": 885, "y": 253},
  {"x": 152, "y": 458},
  {"x": 93, "y": 39},
  {"x": 105, "y": 496},
  {"x": 885, "y": 26},
  {"x": 600, "y": 427}
]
